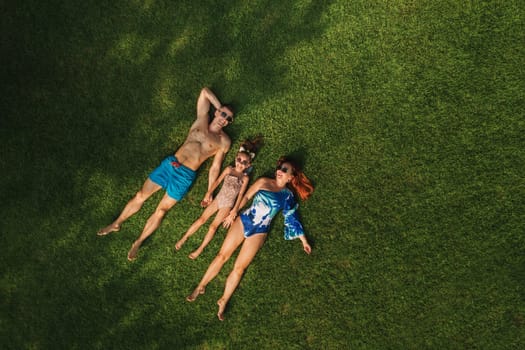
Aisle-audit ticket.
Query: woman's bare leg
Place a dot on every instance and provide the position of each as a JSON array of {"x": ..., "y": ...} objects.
[
  {"x": 152, "y": 224},
  {"x": 133, "y": 206},
  {"x": 219, "y": 218},
  {"x": 206, "y": 214},
  {"x": 233, "y": 240},
  {"x": 249, "y": 249}
]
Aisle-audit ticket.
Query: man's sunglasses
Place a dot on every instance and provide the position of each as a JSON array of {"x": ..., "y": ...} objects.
[
  {"x": 282, "y": 168},
  {"x": 228, "y": 118},
  {"x": 243, "y": 162}
]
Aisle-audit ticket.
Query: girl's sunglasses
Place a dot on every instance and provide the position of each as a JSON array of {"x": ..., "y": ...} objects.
[
  {"x": 283, "y": 169},
  {"x": 243, "y": 162},
  {"x": 225, "y": 115}
]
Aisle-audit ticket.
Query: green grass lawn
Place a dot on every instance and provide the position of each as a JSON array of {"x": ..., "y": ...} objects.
[{"x": 407, "y": 115}]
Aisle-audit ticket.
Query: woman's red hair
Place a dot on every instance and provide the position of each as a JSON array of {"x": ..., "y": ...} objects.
[{"x": 300, "y": 184}]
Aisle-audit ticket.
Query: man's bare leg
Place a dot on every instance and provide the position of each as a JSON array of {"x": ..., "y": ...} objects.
[
  {"x": 250, "y": 247},
  {"x": 152, "y": 224},
  {"x": 233, "y": 240},
  {"x": 133, "y": 206}
]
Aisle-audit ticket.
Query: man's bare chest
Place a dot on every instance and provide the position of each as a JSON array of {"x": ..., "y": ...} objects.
[{"x": 208, "y": 142}]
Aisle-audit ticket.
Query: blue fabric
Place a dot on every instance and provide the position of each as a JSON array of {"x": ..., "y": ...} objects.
[
  {"x": 174, "y": 177},
  {"x": 265, "y": 206}
]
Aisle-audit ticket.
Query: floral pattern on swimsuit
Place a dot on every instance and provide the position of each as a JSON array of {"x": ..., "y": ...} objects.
[{"x": 265, "y": 206}]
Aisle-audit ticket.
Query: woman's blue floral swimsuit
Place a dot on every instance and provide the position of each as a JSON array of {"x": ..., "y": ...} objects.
[{"x": 265, "y": 205}]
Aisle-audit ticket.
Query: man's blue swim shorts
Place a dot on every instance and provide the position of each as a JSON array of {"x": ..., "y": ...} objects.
[{"x": 174, "y": 177}]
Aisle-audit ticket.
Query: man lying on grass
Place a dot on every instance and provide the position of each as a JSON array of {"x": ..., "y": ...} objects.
[{"x": 177, "y": 172}]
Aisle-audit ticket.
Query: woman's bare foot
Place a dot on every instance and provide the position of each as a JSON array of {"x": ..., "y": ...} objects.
[
  {"x": 108, "y": 229},
  {"x": 194, "y": 255},
  {"x": 195, "y": 294},
  {"x": 222, "y": 306},
  {"x": 132, "y": 254},
  {"x": 180, "y": 243}
]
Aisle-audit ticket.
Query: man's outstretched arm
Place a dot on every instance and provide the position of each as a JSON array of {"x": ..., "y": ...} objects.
[{"x": 215, "y": 167}]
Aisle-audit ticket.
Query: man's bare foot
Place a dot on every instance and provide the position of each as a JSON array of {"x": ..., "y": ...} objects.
[
  {"x": 108, "y": 229},
  {"x": 222, "y": 306},
  {"x": 194, "y": 255},
  {"x": 132, "y": 254},
  {"x": 195, "y": 294}
]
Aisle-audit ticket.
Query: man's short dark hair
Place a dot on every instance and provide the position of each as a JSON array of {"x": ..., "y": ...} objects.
[{"x": 230, "y": 107}]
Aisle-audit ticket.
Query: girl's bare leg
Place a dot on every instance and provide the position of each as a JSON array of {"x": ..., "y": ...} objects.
[
  {"x": 233, "y": 240},
  {"x": 152, "y": 224},
  {"x": 206, "y": 214},
  {"x": 249, "y": 249},
  {"x": 131, "y": 207},
  {"x": 219, "y": 218}
]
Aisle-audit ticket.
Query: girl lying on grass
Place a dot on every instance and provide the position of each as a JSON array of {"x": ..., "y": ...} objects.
[
  {"x": 251, "y": 227},
  {"x": 226, "y": 204}
]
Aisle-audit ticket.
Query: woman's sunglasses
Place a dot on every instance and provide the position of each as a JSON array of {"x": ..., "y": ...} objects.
[
  {"x": 282, "y": 168},
  {"x": 243, "y": 162},
  {"x": 225, "y": 115}
]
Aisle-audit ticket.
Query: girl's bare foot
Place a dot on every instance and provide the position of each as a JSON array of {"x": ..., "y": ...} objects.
[
  {"x": 132, "y": 254},
  {"x": 195, "y": 294},
  {"x": 179, "y": 244},
  {"x": 108, "y": 229},
  {"x": 222, "y": 306},
  {"x": 194, "y": 255}
]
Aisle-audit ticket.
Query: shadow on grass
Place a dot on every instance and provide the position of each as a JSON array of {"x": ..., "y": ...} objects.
[
  {"x": 113, "y": 87},
  {"x": 95, "y": 95}
]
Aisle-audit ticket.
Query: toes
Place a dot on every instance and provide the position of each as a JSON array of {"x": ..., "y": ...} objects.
[
  {"x": 195, "y": 294},
  {"x": 222, "y": 306},
  {"x": 107, "y": 230},
  {"x": 132, "y": 254}
]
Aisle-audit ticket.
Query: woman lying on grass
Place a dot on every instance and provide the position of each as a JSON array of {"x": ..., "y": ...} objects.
[
  {"x": 227, "y": 202},
  {"x": 251, "y": 227}
]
